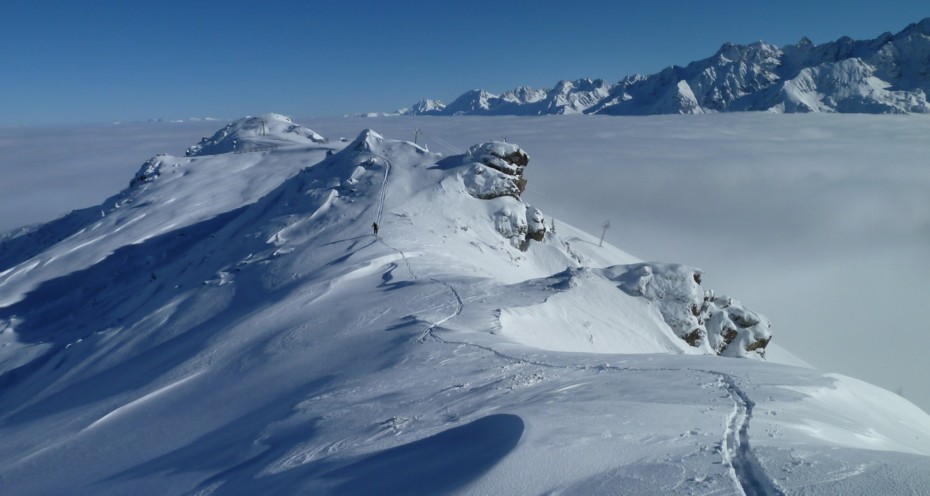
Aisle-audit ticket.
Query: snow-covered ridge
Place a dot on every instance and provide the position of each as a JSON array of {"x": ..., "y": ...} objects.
[
  {"x": 886, "y": 75},
  {"x": 479, "y": 195},
  {"x": 231, "y": 323}
]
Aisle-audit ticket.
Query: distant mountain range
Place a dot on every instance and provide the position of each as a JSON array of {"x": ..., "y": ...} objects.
[{"x": 886, "y": 75}]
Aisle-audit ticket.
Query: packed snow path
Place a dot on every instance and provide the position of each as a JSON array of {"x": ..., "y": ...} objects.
[
  {"x": 459, "y": 306},
  {"x": 458, "y": 299},
  {"x": 413, "y": 275},
  {"x": 736, "y": 449},
  {"x": 748, "y": 476},
  {"x": 383, "y": 195},
  {"x": 387, "y": 174}
]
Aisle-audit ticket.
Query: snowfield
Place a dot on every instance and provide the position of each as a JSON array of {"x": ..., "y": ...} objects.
[{"x": 230, "y": 324}]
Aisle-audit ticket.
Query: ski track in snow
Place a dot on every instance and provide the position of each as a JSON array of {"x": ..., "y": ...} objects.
[
  {"x": 744, "y": 465},
  {"x": 459, "y": 306},
  {"x": 402, "y": 256},
  {"x": 387, "y": 173},
  {"x": 748, "y": 475}
]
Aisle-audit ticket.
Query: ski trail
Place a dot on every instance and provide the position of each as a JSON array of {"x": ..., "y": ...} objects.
[
  {"x": 387, "y": 173},
  {"x": 748, "y": 475},
  {"x": 737, "y": 453},
  {"x": 384, "y": 183},
  {"x": 403, "y": 256},
  {"x": 459, "y": 305}
]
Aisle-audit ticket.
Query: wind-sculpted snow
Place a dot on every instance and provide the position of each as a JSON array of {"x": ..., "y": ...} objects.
[
  {"x": 233, "y": 325},
  {"x": 428, "y": 466},
  {"x": 888, "y": 74}
]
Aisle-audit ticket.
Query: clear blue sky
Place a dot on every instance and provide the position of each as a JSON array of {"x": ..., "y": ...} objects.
[{"x": 100, "y": 60}]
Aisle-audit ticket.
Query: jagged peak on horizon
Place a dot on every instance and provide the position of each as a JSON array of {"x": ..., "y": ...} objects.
[{"x": 804, "y": 77}]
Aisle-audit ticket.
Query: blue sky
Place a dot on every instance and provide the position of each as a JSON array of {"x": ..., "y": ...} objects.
[{"x": 100, "y": 61}]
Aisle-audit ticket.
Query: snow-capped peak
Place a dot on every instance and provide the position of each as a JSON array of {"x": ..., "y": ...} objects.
[
  {"x": 366, "y": 140},
  {"x": 888, "y": 74},
  {"x": 426, "y": 107},
  {"x": 921, "y": 27},
  {"x": 248, "y": 134}
]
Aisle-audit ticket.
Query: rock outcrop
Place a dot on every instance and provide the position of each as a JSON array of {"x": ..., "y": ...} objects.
[
  {"x": 715, "y": 324},
  {"x": 495, "y": 170},
  {"x": 149, "y": 171}
]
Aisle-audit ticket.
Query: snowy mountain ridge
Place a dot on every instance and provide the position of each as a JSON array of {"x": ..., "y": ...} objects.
[
  {"x": 231, "y": 324},
  {"x": 887, "y": 74}
]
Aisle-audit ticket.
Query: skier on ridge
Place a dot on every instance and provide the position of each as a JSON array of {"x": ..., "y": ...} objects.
[{"x": 374, "y": 227}]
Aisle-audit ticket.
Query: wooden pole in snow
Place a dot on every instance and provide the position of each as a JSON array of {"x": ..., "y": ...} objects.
[{"x": 606, "y": 226}]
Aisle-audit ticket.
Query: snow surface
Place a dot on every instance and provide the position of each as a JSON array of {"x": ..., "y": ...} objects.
[{"x": 232, "y": 326}]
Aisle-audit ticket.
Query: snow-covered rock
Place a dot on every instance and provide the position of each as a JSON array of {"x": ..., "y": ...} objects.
[
  {"x": 494, "y": 170},
  {"x": 149, "y": 171},
  {"x": 507, "y": 160},
  {"x": 711, "y": 323},
  {"x": 536, "y": 228},
  {"x": 888, "y": 74}
]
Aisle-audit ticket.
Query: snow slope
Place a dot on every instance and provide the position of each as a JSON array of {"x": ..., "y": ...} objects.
[
  {"x": 888, "y": 74},
  {"x": 230, "y": 325}
]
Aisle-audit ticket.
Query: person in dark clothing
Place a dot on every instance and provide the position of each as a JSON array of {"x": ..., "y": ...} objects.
[{"x": 374, "y": 227}]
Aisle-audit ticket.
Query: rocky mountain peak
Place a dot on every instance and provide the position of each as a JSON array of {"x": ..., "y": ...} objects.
[
  {"x": 884, "y": 75},
  {"x": 918, "y": 28}
]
